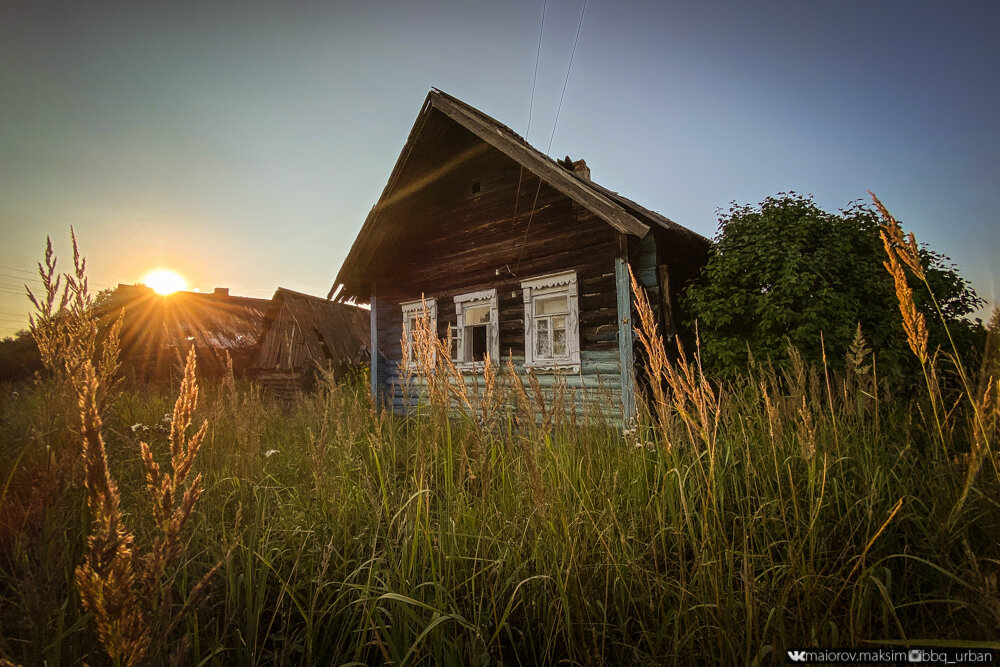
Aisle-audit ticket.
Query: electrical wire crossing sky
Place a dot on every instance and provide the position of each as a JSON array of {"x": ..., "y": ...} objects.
[{"x": 242, "y": 144}]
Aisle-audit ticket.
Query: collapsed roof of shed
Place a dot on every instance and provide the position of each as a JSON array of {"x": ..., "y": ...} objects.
[{"x": 301, "y": 329}]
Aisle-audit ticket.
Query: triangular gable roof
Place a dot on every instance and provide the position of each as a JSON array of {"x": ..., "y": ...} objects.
[{"x": 622, "y": 214}]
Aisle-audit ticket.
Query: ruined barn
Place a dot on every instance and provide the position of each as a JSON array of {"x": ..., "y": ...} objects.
[
  {"x": 302, "y": 333},
  {"x": 159, "y": 330},
  {"x": 524, "y": 257}
]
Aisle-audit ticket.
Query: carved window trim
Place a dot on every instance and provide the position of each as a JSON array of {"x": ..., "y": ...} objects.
[
  {"x": 544, "y": 287},
  {"x": 411, "y": 311},
  {"x": 459, "y": 342}
]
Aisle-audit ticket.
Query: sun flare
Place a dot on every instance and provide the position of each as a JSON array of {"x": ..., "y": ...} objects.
[{"x": 164, "y": 281}]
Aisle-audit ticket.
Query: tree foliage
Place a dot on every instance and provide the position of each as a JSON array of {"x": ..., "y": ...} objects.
[{"x": 786, "y": 272}]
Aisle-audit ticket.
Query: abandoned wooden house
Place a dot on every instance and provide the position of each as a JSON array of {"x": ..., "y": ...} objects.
[
  {"x": 158, "y": 330},
  {"x": 524, "y": 257},
  {"x": 302, "y": 333}
]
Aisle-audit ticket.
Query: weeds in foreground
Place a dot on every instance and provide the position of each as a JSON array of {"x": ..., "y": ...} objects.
[
  {"x": 977, "y": 403},
  {"x": 131, "y": 595},
  {"x": 783, "y": 509}
]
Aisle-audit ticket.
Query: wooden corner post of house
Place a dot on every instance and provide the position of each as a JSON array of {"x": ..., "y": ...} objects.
[
  {"x": 625, "y": 336},
  {"x": 373, "y": 363}
]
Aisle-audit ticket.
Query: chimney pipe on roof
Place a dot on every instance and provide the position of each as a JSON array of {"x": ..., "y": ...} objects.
[{"x": 578, "y": 167}]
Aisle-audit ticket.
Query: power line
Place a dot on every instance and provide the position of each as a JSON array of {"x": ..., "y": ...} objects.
[
  {"x": 534, "y": 79},
  {"x": 527, "y": 129},
  {"x": 566, "y": 81},
  {"x": 17, "y": 270},
  {"x": 19, "y": 286},
  {"x": 34, "y": 276},
  {"x": 555, "y": 123},
  {"x": 12, "y": 276}
]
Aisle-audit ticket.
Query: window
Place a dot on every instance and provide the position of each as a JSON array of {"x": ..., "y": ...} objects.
[
  {"x": 477, "y": 330},
  {"x": 551, "y": 322},
  {"x": 412, "y": 312}
]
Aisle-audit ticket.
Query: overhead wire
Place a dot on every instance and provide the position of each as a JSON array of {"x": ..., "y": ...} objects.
[
  {"x": 555, "y": 123},
  {"x": 18, "y": 270},
  {"x": 531, "y": 105},
  {"x": 569, "y": 68},
  {"x": 534, "y": 79}
]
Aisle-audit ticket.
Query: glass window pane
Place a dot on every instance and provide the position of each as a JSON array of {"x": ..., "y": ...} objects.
[
  {"x": 542, "y": 348},
  {"x": 558, "y": 341},
  {"x": 550, "y": 305},
  {"x": 473, "y": 315}
]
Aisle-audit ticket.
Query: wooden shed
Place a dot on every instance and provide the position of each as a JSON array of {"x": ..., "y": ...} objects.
[
  {"x": 301, "y": 332},
  {"x": 526, "y": 258},
  {"x": 158, "y": 330}
]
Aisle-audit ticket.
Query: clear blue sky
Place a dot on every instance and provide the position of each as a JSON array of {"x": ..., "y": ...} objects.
[{"x": 244, "y": 144}]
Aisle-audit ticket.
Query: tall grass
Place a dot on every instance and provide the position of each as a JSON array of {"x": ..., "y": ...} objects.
[{"x": 786, "y": 508}]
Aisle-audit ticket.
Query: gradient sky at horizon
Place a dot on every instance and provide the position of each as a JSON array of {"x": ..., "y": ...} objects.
[{"x": 243, "y": 144}]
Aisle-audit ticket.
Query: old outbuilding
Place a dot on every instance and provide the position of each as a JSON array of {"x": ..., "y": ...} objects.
[
  {"x": 302, "y": 333},
  {"x": 158, "y": 331},
  {"x": 524, "y": 257}
]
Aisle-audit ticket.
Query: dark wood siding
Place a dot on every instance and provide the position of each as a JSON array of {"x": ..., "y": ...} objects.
[{"x": 486, "y": 224}]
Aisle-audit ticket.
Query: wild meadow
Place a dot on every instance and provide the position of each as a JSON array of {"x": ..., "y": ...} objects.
[{"x": 791, "y": 506}]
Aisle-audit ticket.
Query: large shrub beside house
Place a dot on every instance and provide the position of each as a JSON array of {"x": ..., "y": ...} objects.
[{"x": 786, "y": 272}]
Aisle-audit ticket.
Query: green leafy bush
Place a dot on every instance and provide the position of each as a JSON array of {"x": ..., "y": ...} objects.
[{"x": 786, "y": 272}]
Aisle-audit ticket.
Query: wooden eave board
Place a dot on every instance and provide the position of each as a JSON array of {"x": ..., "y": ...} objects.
[{"x": 657, "y": 218}]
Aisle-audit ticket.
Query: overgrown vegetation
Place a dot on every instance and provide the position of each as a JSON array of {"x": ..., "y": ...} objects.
[
  {"x": 792, "y": 506},
  {"x": 786, "y": 272}
]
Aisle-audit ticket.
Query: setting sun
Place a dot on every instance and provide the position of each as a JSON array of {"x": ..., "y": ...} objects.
[{"x": 164, "y": 281}]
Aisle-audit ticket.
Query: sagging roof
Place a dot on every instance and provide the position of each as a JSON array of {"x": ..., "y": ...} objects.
[
  {"x": 621, "y": 213},
  {"x": 326, "y": 331},
  {"x": 214, "y": 320}
]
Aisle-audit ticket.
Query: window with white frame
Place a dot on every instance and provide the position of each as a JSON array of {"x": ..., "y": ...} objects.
[
  {"x": 413, "y": 311},
  {"x": 477, "y": 329},
  {"x": 552, "y": 322}
]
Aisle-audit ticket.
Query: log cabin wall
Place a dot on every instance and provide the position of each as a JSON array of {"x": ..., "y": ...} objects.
[{"x": 458, "y": 232}]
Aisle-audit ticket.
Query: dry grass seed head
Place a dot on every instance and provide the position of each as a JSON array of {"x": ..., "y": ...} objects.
[
  {"x": 857, "y": 354},
  {"x": 106, "y": 577},
  {"x": 807, "y": 437},
  {"x": 913, "y": 320},
  {"x": 905, "y": 246}
]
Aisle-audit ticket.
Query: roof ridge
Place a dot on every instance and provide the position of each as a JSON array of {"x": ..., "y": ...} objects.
[{"x": 623, "y": 215}]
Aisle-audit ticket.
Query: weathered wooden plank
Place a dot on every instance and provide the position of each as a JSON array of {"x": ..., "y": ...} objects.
[
  {"x": 669, "y": 321},
  {"x": 373, "y": 361},
  {"x": 625, "y": 339}
]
